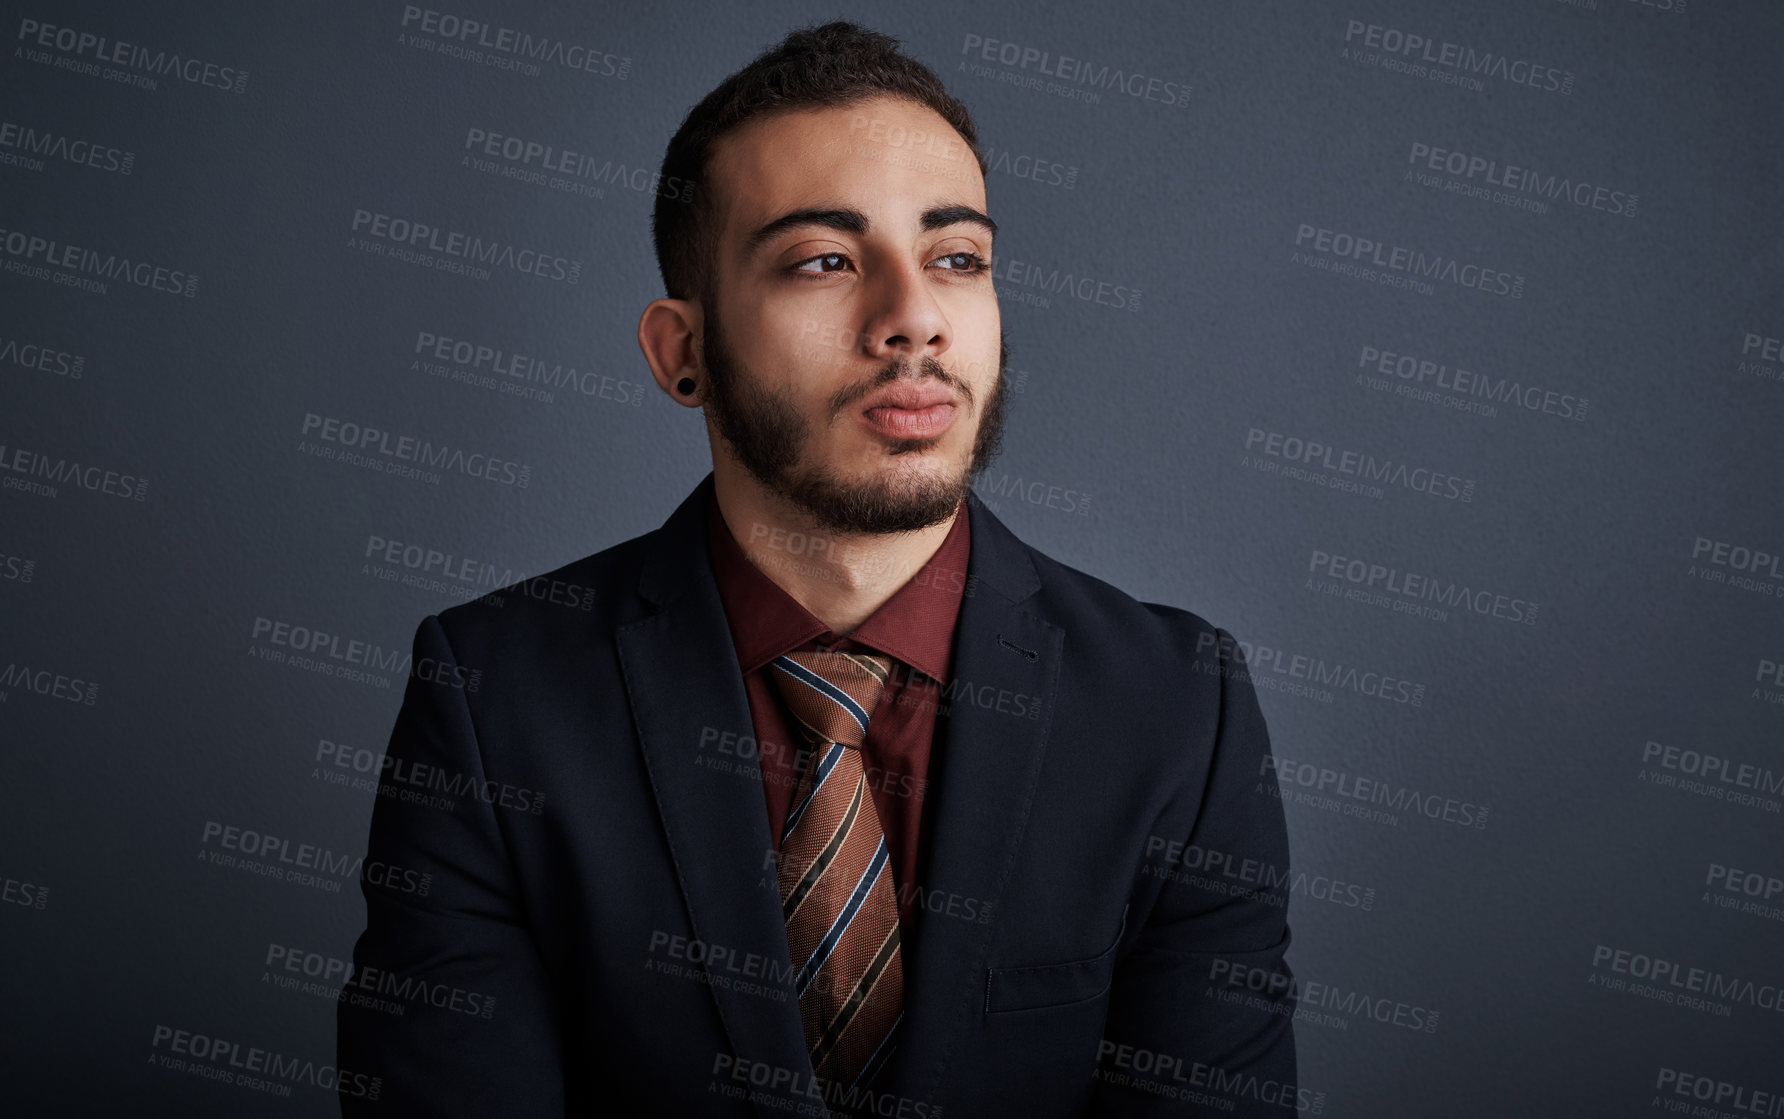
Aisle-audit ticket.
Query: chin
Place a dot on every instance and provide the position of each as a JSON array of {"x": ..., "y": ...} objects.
[{"x": 927, "y": 466}]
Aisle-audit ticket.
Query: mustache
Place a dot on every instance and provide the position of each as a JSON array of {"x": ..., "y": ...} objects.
[{"x": 925, "y": 368}]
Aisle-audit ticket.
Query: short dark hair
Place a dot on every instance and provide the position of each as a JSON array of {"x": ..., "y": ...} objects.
[{"x": 838, "y": 63}]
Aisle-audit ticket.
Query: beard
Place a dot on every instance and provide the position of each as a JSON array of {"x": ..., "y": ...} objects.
[{"x": 769, "y": 435}]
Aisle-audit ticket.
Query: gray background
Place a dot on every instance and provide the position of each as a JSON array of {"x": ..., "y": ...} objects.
[{"x": 115, "y": 919}]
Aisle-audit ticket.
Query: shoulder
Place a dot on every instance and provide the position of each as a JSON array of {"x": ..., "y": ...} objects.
[
  {"x": 1092, "y": 608},
  {"x": 593, "y": 592},
  {"x": 1158, "y": 674}
]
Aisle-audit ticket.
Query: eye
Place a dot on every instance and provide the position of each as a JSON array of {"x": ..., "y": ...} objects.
[
  {"x": 821, "y": 261},
  {"x": 974, "y": 263}
]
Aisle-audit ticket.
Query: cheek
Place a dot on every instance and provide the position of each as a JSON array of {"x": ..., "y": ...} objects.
[
  {"x": 978, "y": 339},
  {"x": 982, "y": 373},
  {"x": 816, "y": 341}
]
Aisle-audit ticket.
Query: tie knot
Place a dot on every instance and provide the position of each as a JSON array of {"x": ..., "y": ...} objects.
[{"x": 832, "y": 695}]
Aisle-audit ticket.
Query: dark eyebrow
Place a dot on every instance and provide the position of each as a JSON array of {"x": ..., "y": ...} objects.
[
  {"x": 847, "y": 221},
  {"x": 854, "y": 221},
  {"x": 941, "y": 217}
]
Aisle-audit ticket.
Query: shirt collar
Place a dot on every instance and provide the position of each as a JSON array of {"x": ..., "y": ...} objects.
[{"x": 916, "y": 624}]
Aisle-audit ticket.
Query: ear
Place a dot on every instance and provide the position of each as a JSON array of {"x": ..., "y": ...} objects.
[{"x": 669, "y": 333}]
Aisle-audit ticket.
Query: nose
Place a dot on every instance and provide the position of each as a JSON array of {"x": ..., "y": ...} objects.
[{"x": 906, "y": 321}]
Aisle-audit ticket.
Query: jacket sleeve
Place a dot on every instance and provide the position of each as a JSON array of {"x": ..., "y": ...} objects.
[
  {"x": 1201, "y": 1008},
  {"x": 448, "y": 1010}
]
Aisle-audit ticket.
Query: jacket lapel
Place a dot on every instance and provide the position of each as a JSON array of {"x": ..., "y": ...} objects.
[
  {"x": 683, "y": 680},
  {"x": 984, "y": 766}
]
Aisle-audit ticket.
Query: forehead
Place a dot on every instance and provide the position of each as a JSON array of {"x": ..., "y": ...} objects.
[{"x": 888, "y": 157}]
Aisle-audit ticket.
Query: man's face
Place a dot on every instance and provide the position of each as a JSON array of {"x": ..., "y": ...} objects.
[{"x": 855, "y": 357}]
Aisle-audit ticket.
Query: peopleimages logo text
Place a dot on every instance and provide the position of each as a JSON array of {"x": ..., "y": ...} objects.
[
  {"x": 1415, "y": 48},
  {"x": 416, "y": 235},
  {"x": 1075, "y": 71},
  {"x": 31, "y": 249},
  {"x": 29, "y": 146},
  {"x": 1511, "y": 176},
  {"x": 1360, "y": 464},
  {"x": 422, "y": 452},
  {"x": 27, "y": 464},
  {"x": 505, "y": 40},
  {"x": 85, "y": 45},
  {"x": 1413, "y": 262}
]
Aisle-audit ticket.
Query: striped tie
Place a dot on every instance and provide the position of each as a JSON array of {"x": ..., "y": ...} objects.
[{"x": 836, "y": 872}]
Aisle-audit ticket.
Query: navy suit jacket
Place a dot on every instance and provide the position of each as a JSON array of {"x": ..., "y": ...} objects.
[{"x": 1103, "y": 897}]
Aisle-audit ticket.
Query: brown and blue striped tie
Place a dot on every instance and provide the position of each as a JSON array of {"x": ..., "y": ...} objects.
[{"x": 835, "y": 872}]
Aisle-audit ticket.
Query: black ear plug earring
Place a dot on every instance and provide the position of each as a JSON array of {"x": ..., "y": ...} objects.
[{"x": 685, "y": 386}]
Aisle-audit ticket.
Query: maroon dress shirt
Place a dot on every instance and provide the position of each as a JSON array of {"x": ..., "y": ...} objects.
[{"x": 915, "y": 628}]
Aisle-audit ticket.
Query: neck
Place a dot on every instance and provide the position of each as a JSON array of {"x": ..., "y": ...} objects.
[{"x": 841, "y": 578}]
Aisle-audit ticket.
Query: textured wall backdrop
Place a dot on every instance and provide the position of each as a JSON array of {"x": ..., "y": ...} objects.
[{"x": 1435, "y": 349}]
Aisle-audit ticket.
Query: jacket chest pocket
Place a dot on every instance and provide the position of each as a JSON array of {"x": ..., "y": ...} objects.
[{"x": 1037, "y": 986}]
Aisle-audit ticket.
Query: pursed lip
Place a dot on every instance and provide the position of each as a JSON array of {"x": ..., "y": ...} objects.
[{"x": 909, "y": 397}]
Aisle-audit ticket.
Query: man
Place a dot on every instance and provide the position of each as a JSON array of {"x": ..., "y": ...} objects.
[{"x": 853, "y": 802}]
